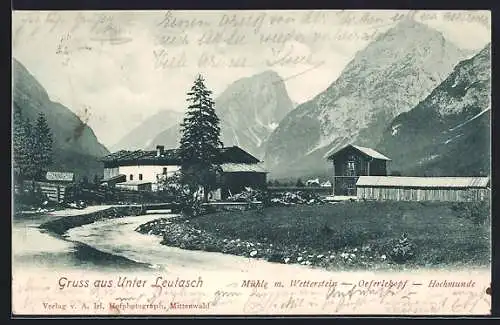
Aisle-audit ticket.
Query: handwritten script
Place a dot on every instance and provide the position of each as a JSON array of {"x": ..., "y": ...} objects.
[
  {"x": 224, "y": 39},
  {"x": 129, "y": 294}
]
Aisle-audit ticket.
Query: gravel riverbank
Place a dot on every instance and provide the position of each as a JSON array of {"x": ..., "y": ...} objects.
[
  {"x": 350, "y": 235},
  {"x": 180, "y": 233}
]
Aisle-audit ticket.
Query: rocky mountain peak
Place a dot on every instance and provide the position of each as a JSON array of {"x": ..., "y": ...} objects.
[
  {"x": 75, "y": 147},
  {"x": 249, "y": 109},
  {"x": 447, "y": 133},
  {"x": 389, "y": 76}
]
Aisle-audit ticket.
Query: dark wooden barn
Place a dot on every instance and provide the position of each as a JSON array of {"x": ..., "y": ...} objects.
[
  {"x": 235, "y": 177},
  {"x": 351, "y": 162},
  {"x": 239, "y": 169}
]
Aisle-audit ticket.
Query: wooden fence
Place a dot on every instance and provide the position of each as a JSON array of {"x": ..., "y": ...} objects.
[
  {"x": 115, "y": 195},
  {"x": 53, "y": 191},
  {"x": 92, "y": 195},
  {"x": 422, "y": 194}
]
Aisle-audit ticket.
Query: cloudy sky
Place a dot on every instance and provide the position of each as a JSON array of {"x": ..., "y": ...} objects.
[{"x": 126, "y": 66}]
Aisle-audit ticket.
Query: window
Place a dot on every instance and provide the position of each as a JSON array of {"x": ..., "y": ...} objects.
[
  {"x": 131, "y": 177},
  {"x": 164, "y": 170},
  {"x": 140, "y": 177},
  {"x": 351, "y": 166}
]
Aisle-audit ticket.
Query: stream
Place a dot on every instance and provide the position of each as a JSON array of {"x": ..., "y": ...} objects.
[{"x": 113, "y": 244}]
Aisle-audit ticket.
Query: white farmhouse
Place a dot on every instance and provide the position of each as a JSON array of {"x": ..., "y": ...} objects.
[{"x": 143, "y": 169}]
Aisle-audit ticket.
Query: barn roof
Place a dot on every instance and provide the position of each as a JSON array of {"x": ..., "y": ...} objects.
[
  {"x": 367, "y": 151},
  {"x": 427, "y": 182},
  {"x": 235, "y": 154},
  {"x": 171, "y": 157},
  {"x": 234, "y": 168}
]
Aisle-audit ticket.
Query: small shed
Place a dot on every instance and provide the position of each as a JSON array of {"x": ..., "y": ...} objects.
[
  {"x": 136, "y": 186},
  {"x": 396, "y": 188},
  {"x": 55, "y": 185},
  {"x": 351, "y": 162}
]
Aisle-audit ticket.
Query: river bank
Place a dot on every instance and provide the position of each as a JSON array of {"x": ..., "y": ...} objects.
[
  {"x": 39, "y": 241},
  {"x": 99, "y": 239},
  {"x": 61, "y": 225},
  {"x": 346, "y": 236}
]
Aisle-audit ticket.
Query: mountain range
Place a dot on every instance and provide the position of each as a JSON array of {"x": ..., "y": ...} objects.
[
  {"x": 390, "y": 76},
  {"x": 410, "y": 94},
  {"x": 448, "y": 133},
  {"x": 75, "y": 146},
  {"x": 249, "y": 109},
  {"x": 143, "y": 136}
]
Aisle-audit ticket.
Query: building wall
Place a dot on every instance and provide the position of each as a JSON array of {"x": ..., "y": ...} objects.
[
  {"x": 110, "y": 172},
  {"x": 234, "y": 182},
  {"x": 344, "y": 184},
  {"x": 149, "y": 173},
  {"x": 378, "y": 168},
  {"x": 420, "y": 194}
]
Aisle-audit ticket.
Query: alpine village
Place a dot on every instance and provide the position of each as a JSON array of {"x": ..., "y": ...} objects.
[{"x": 354, "y": 178}]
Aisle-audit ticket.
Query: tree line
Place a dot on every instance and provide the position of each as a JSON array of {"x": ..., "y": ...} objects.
[{"x": 32, "y": 146}]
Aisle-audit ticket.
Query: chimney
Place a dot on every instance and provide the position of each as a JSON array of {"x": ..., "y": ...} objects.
[{"x": 159, "y": 151}]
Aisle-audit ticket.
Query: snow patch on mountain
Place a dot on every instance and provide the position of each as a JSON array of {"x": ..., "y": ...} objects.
[
  {"x": 427, "y": 159},
  {"x": 395, "y": 129},
  {"x": 453, "y": 121},
  {"x": 389, "y": 77},
  {"x": 452, "y": 139},
  {"x": 273, "y": 125}
]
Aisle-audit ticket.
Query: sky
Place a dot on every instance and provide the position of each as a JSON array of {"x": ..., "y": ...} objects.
[{"x": 115, "y": 69}]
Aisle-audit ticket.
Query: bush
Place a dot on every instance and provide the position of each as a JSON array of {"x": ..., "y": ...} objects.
[
  {"x": 477, "y": 212},
  {"x": 401, "y": 250},
  {"x": 191, "y": 207}
]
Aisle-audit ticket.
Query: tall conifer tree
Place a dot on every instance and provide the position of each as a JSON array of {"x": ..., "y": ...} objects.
[
  {"x": 42, "y": 146},
  {"x": 200, "y": 141},
  {"x": 20, "y": 152}
]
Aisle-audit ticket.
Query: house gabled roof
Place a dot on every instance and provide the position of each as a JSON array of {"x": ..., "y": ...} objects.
[
  {"x": 171, "y": 157},
  {"x": 367, "y": 151},
  {"x": 423, "y": 182}
]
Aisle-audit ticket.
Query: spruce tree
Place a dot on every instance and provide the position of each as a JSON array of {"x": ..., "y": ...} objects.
[
  {"x": 19, "y": 153},
  {"x": 42, "y": 146},
  {"x": 200, "y": 141},
  {"x": 30, "y": 161},
  {"x": 23, "y": 146}
]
